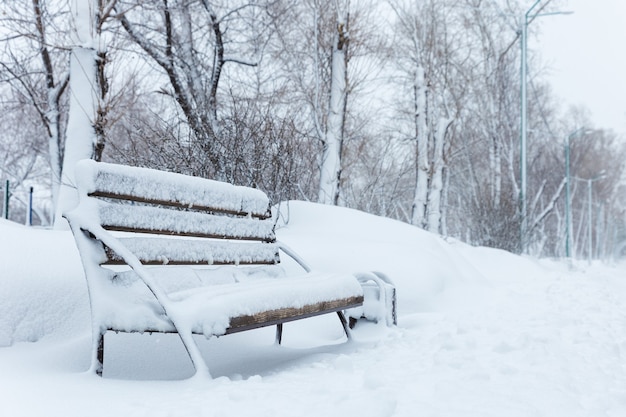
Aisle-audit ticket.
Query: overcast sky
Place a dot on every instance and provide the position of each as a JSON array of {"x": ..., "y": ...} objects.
[{"x": 586, "y": 54}]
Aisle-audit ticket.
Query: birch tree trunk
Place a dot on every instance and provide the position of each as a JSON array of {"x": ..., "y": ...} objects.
[
  {"x": 436, "y": 183},
  {"x": 330, "y": 166},
  {"x": 51, "y": 115},
  {"x": 82, "y": 140},
  {"x": 421, "y": 134},
  {"x": 55, "y": 139},
  {"x": 445, "y": 202}
]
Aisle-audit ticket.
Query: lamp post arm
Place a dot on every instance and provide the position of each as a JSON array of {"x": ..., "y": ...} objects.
[
  {"x": 529, "y": 11},
  {"x": 528, "y": 16}
]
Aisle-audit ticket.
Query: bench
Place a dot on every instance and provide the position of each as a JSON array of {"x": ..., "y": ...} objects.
[{"x": 165, "y": 252}]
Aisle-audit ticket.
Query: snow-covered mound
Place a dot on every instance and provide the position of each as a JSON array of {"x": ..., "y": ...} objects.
[
  {"x": 426, "y": 269},
  {"x": 42, "y": 289}
]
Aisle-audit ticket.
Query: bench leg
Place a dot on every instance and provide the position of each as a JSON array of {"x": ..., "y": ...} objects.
[
  {"x": 279, "y": 333},
  {"x": 344, "y": 324},
  {"x": 98, "y": 353}
]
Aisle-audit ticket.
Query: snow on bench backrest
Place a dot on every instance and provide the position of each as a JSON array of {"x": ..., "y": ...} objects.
[
  {"x": 234, "y": 221},
  {"x": 168, "y": 188}
]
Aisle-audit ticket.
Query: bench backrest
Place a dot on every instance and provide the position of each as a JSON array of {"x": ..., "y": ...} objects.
[{"x": 173, "y": 219}]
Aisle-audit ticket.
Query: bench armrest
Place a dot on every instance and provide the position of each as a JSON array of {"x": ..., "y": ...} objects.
[{"x": 293, "y": 255}]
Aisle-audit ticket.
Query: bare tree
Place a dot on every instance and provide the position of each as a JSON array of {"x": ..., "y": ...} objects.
[
  {"x": 33, "y": 64},
  {"x": 23, "y": 157},
  {"x": 88, "y": 87},
  {"x": 192, "y": 42},
  {"x": 332, "y": 142},
  {"x": 426, "y": 53},
  {"x": 487, "y": 155},
  {"x": 329, "y": 59},
  {"x": 597, "y": 156}
]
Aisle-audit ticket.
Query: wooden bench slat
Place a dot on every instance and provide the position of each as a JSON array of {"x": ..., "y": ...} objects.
[
  {"x": 178, "y": 204},
  {"x": 163, "y": 251},
  {"x": 156, "y": 220},
  {"x": 274, "y": 317}
]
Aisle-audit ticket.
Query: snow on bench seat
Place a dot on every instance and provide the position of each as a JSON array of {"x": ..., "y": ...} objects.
[{"x": 228, "y": 307}]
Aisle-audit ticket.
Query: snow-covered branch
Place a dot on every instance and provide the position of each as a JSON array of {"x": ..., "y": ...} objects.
[
  {"x": 242, "y": 61},
  {"x": 549, "y": 207}
]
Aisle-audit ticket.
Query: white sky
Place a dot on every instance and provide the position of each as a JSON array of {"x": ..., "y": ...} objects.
[{"x": 586, "y": 54}]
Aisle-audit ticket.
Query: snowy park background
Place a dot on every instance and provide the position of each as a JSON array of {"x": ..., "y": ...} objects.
[
  {"x": 481, "y": 332},
  {"x": 403, "y": 109}
]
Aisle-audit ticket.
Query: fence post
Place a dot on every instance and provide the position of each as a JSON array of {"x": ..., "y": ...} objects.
[
  {"x": 6, "y": 200},
  {"x": 30, "y": 207}
]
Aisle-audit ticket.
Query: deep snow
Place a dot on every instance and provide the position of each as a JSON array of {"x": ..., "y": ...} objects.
[{"x": 481, "y": 333}]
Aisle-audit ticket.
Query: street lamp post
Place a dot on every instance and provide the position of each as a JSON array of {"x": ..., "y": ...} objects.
[
  {"x": 523, "y": 126},
  {"x": 528, "y": 18}
]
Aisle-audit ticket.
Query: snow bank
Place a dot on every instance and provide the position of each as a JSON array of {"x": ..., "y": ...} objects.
[
  {"x": 42, "y": 288},
  {"x": 425, "y": 268}
]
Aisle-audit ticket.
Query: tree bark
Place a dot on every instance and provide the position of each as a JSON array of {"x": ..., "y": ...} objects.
[
  {"x": 436, "y": 183},
  {"x": 52, "y": 115},
  {"x": 85, "y": 134},
  {"x": 421, "y": 135},
  {"x": 330, "y": 167}
]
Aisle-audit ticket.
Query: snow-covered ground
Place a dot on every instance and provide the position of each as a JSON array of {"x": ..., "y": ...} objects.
[{"x": 481, "y": 333}]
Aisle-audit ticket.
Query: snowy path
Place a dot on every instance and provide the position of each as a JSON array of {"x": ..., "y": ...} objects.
[
  {"x": 551, "y": 348},
  {"x": 547, "y": 347}
]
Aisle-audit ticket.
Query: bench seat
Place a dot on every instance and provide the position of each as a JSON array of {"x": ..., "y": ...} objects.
[{"x": 223, "y": 306}]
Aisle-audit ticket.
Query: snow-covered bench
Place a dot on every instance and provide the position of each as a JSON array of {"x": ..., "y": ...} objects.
[{"x": 165, "y": 252}]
